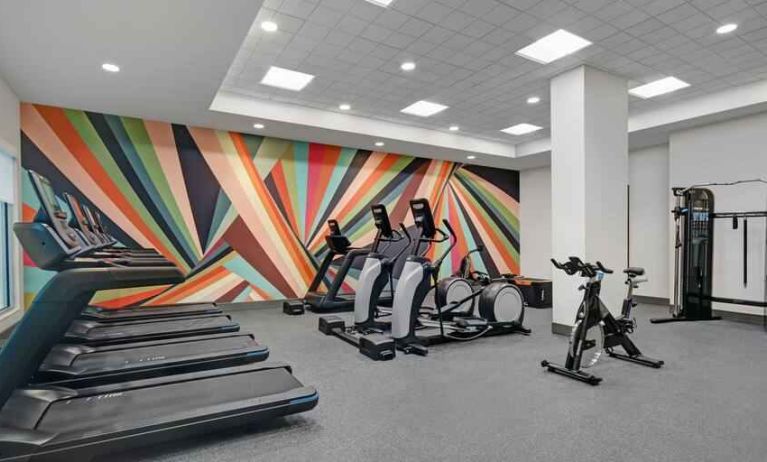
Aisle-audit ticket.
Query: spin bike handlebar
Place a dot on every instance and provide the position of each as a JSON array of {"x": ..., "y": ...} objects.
[{"x": 575, "y": 265}]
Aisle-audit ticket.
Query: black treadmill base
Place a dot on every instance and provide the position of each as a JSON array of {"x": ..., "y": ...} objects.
[{"x": 214, "y": 425}]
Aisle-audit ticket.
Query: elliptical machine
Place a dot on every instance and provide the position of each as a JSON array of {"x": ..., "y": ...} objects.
[
  {"x": 609, "y": 331},
  {"x": 376, "y": 275},
  {"x": 490, "y": 310}
]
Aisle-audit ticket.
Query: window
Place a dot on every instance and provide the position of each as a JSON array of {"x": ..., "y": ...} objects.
[{"x": 6, "y": 295}]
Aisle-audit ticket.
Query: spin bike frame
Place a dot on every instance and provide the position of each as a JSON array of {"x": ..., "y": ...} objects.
[{"x": 592, "y": 312}]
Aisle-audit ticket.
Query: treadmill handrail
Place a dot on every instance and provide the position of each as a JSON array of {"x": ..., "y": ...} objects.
[{"x": 54, "y": 308}]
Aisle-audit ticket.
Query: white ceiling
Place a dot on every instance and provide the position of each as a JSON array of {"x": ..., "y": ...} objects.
[
  {"x": 465, "y": 53},
  {"x": 175, "y": 60},
  {"x": 173, "y": 54}
]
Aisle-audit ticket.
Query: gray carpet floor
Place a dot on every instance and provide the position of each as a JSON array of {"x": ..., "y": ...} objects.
[{"x": 490, "y": 400}]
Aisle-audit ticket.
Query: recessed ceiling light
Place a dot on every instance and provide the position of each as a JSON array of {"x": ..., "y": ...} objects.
[
  {"x": 659, "y": 87},
  {"x": 258, "y": 126},
  {"x": 109, "y": 67},
  {"x": 454, "y": 128},
  {"x": 344, "y": 107},
  {"x": 471, "y": 157},
  {"x": 726, "y": 29},
  {"x": 287, "y": 79},
  {"x": 554, "y": 46},
  {"x": 383, "y": 3},
  {"x": 521, "y": 129},
  {"x": 424, "y": 108},
  {"x": 379, "y": 143},
  {"x": 407, "y": 66},
  {"x": 269, "y": 26},
  {"x": 533, "y": 100}
]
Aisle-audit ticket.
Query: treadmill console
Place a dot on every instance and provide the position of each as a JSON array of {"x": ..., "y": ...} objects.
[
  {"x": 423, "y": 217},
  {"x": 91, "y": 219},
  {"x": 50, "y": 213},
  {"x": 335, "y": 228},
  {"x": 78, "y": 220},
  {"x": 337, "y": 242},
  {"x": 381, "y": 220}
]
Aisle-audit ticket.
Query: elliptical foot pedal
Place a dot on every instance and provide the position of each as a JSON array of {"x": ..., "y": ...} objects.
[
  {"x": 377, "y": 347},
  {"x": 413, "y": 349},
  {"x": 293, "y": 307},
  {"x": 328, "y": 324}
]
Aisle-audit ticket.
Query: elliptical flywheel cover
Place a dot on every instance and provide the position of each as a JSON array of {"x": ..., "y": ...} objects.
[{"x": 502, "y": 302}]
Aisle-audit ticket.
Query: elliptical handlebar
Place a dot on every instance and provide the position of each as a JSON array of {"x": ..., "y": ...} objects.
[
  {"x": 403, "y": 235},
  {"x": 453, "y": 241}
]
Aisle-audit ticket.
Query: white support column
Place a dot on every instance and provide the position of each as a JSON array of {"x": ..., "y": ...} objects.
[{"x": 589, "y": 178}]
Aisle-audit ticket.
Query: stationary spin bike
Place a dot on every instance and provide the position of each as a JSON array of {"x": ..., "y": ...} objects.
[{"x": 595, "y": 329}]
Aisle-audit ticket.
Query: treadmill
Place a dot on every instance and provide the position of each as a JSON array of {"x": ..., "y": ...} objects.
[
  {"x": 96, "y": 333},
  {"x": 332, "y": 300},
  {"x": 75, "y": 421},
  {"x": 86, "y": 229},
  {"x": 52, "y": 250}
]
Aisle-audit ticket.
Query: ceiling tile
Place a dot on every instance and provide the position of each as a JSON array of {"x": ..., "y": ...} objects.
[{"x": 465, "y": 53}]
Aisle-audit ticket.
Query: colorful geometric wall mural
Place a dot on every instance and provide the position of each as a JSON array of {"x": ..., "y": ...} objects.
[{"x": 244, "y": 216}]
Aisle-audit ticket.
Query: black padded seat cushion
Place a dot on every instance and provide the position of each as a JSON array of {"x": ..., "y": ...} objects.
[{"x": 634, "y": 271}]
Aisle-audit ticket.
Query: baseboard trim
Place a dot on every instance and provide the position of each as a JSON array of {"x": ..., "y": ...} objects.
[
  {"x": 647, "y": 300},
  {"x": 747, "y": 318},
  {"x": 560, "y": 329}
]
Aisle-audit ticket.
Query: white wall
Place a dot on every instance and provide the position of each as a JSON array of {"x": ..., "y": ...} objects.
[
  {"x": 10, "y": 143},
  {"x": 650, "y": 192},
  {"x": 649, "y": 217},
  {"x": 535, "y": 222},
  {"x": 728, "y": 151}
]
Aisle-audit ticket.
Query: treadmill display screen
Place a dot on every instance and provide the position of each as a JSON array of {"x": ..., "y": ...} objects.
[
  {"x": 50, "y": 197},
  {"x": 89, "y": 217}
]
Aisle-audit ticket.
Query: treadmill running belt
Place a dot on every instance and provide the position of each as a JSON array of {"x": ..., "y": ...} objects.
[
  {"x": 140, "y": 356},
  {"x": 90, "y": 331},
  {"x": 101, "y": 314}
]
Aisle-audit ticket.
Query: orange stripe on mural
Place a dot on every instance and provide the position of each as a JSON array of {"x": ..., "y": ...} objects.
[
  {"x": 271, "y": 209},
  {"x": 28, "y": 213},
  {"x": 190, "y": 286},
  {"x": 322, "y": 161},
  {"x": 58, "y": 121},
  {"x": 370, "y": 181},
  {"x": 278, "y": 175},
  {"x": 496, "y": 239},
  {"x": 129, "y": 300},
  {"x": 461, "y": 247}
]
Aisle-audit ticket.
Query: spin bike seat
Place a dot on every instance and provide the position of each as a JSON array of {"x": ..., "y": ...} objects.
[{"x": 634, "y": 271}]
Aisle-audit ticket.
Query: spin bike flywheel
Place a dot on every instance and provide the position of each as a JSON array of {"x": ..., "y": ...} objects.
[{"x": 591, "y": 349}]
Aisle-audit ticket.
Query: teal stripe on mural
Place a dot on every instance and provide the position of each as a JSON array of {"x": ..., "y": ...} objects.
[
  {"x": 344, "y": 160},
  {"x": 301, "y": 166},
  {"x": 365, "y": 221},
  {"x": 132, "y": 155},
  {"x": 243, "y": 269},
  {"x": 507, "y": 219},
  {"x": 223, "y": 206}
]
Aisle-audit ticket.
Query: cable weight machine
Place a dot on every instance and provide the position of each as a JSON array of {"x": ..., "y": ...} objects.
[{"x": 694, "y": 217}]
